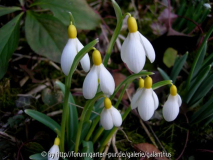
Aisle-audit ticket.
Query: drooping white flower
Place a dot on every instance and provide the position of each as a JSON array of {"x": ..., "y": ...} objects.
[
  {"x": 135, "y": 48},
  {"x": 207, "y": 5},
  {"x": 110, "y": 116},
  {"x": 98, "y": 74},
  {"x": 70, "y": 50},
  {"x": 53, "y": 153},
  {"x": 145, "y": 99},
  {"x": 172, "y": 105}
]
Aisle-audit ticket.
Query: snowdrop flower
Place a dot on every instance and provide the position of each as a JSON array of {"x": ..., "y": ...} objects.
[
  {"x": 110, "y": 116},
  {"x": 71, "y": 49},
  {"x": 172, "y": 105},
  {"x": 53, "y": 153},
  {"x": 98, "y": 74},
  {"x": 145, "y": 99},
  {"x": 207, "y": 5},
  {"x": 135, "y": 48}
]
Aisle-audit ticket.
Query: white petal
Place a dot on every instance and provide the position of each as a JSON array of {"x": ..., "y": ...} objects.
[
  {"x": 53, "y": 153},
  {"x": 68, "y": 55},
  {"x": 146, "y": 106},
  {"x": 116, "y": 116},
  {"x": 135, "y": 54},
  {"x": 156, "y": 101},
  {"x": 85, "y": 61},
  {"x": 124, "y": 49},
  {"x": 107, "y": 82},
  {"x": 90, "y": 84},
  {"x": 135, "y": 98},
  {"x": 106, "y": 119},
  {"x": 150, "y": 52},
  {"x": 179, "y": 100},
  {"x": 170, "y": 109}
]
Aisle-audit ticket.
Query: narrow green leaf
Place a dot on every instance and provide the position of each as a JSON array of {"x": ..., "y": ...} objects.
[
  {"x": 38, "y": 156},
  {"x": 199, "y": 112},
  {"x": 208, "y": 60},
  {"x": 85, "y": 17},
  {"x": 97, "y": 108},
  {"x": 179, "y": 62},
  {"x": 163, "y": 74},
  {"x": 87, "y": 148},
  {"x": 44, "y": 119},
  {"x": 204, "y": 88},
  {"x": 46, "y": 35},
  {"x": 198, "y": 55},
  {"x": 9, "y": 34},
  {"x": 200, "y": 60},
  {"x": 161, "y": 84},
  {"x": 72, "y": 120},
  {"x": 7, "y": 10},
  {"x": 197, "y": 83},
  {"x": 115, "y": 33}
]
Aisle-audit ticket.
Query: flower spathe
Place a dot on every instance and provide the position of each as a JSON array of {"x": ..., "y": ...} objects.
[
  {"x": 53, "y": 153},
  {"x": 70, "y": 50},
  {"x": 172, "y": 105},
  {"x": 145, "y": 99},
  {"x": 98, "y": 74},
  {"x": 110, "y": 116},
  {"x": 135, "y": 48}
]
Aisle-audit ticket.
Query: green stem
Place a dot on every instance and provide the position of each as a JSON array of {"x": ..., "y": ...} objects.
[
  {"x": 64, "y": 114},
  {"x": 198, "y": 55},
  {"x": 87, "y": 109},
  {"x": 112, "y": 132},
  {"x": 121, "y": 94},
  {"x": 94, "y": 123},
  {"x": 98, "y": 133}
]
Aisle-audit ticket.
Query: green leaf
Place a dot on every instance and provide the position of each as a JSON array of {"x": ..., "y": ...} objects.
[
  {"x": 44, "y": 119},
  {"x": 46, "y": 35},
  {"x": 197, "y": 56},
  {"x": 7, "y": 10},
  {"x": 197, "y": 83},
  {"x": 9, "y": 34},
  {"x": 204, "y": 112},
  {"x": 161, "y": 84},
  {"x": 115, "y": 33},
  {"x": 169, "y": 57},
  {"x": 179, "y": 62},
  {"x": 200, "y": 60},
  {"x": 85, "y": 17},
  {"x": 97, "y": 108},
  {"x": 208, "y": 60},
  {"x": 164, "y": 74},
  {"x": 72, "y": 120},
  {"x": 204, "y": 88},
  {"x": 38, "y": 156},
  {"x": 87, "y": 148}
]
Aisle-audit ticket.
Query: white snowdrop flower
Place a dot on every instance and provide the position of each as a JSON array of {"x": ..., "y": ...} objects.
[
  {"x": 98, "y": 74},
  {"x": 207, "y": 5},
  {"x": 110, "y": 116},
  {"x": 172, "y": 105},
  {"x": 135, "y": 48},
  {"x": 70, "y": 50},
  {"x": 53, "y": 153},
  {"x": 145, "y": 99}
]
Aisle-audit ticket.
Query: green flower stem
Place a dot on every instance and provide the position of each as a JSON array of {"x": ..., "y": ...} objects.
[
  {"x": 121, "y": 94},
  {"x": 113, "y": 131},
  {"x": 197, "y": 56},
  {"x": 97, "y": 135},
  {"x": 65, "y": 112},
  {"x": 88, "y": 107},
  {"x": 94, "y": 123}
]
